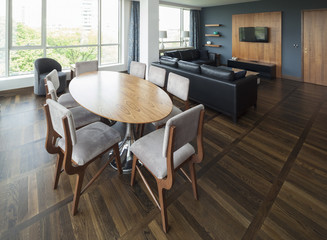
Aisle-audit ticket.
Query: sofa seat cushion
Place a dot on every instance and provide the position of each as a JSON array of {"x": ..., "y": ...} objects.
[
  {"x": 189, "y": 66},
  {"x": 169, "y": 61},
  {"x": 102, "y": 136},
  {"x": 216, "y": 72},
  {"x": 152, "y": 158}
]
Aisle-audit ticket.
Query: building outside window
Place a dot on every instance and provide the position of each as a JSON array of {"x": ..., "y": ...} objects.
[
  {"x": 67, "y": 31},
  {"x": 174, "y": 20}
]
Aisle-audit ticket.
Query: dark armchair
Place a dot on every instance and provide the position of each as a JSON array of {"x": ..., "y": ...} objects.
[{"x": 42, "y": 67}]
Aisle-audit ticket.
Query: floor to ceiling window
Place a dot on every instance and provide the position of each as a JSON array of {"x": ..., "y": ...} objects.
[
  {"x": 174, "y": 20},
  {"x": 68, "y": 31}
]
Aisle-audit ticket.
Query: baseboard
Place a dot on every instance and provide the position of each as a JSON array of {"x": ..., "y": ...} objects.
[{"x": 299, "y": 79}]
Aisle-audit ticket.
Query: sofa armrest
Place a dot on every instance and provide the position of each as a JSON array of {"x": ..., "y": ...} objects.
[
  {"x": 212, "y": 56},
  {"x": 246, "y": 92}
]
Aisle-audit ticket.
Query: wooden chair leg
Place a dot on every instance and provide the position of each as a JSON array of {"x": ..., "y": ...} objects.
[
  {"x": 193, "y": 178},
  {"x": 162, "y": 201},
  {"x": 133, "y": 170},
  {"x": 78, "y": 187},
  {"x": 117, "y": 157},
  {"x": 60, "y": 159}
]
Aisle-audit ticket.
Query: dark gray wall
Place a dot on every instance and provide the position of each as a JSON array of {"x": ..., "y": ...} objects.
[{"x": 291, "y": 27}]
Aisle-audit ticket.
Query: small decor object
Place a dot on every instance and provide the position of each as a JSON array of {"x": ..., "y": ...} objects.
[
  {"x": 209, "y": 42},
  {"x": 162, "y": 35},
  {"x": 216, "y": 33},
  {"x": 185, "y": 34}
]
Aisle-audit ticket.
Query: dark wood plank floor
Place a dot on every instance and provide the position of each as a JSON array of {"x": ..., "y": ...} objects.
[{"x": 262, "y": 178}]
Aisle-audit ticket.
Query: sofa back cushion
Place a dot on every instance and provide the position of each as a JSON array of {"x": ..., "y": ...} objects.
[
  {"x": 217, "y": 73},
  {"x": 195, "y": 54},
  {"x": 169, "y": 61},
  {"x": 186, "y": 55},
  {"x": 173, "y": 54},
  {"x": 204, "y": 54},
  {"x": 237, "y": 74},
  {"x": 189, "y": 66}
]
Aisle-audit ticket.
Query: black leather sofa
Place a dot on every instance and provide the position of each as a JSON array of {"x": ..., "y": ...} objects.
[
  {"x": 216, "y": 87},
  {"x": 195, "y": 56}
]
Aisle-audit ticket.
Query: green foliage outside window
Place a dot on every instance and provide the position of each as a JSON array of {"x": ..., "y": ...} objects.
[{"x": 22, "y": 61}]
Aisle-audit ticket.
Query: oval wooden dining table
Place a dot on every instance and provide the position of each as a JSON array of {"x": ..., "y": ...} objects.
[{"x": 122, "y": 98}]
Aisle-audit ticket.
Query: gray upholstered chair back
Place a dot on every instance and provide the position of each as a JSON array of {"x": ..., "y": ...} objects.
[
  {"x": 137, "y": 69},
  {"x": 57, "y": 113},
  {"x": 87, "y": 66},
  {"x": 53, "y": 77},
  {"x": 186, "y": 128},
  {"x": 157, "y": 76},
  {"x": 45, "y": 65},
  {"x": 52, "y": 91},
  {"x": 178, "y": 86}
]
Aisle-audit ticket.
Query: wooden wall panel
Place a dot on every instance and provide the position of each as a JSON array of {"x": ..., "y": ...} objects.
[
  {"x": 314, "y": 52},
  {"x": 270, "y": 52}
]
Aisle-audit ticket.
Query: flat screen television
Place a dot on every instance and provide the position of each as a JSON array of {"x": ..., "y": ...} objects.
[{"x": 253, "y": 34}]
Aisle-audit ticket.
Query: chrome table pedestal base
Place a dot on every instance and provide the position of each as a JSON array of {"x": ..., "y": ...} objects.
[{"x": 126, "y": 156}]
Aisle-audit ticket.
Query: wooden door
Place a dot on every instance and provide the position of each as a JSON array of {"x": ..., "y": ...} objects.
[{"x": 314, "y": 51}]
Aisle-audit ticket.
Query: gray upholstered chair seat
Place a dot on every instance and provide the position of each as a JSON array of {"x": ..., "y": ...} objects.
[
  {"x": 83, "y": 117},
  {"x": 175, "y": 111},
  {"x": 84, "y": 150},
  {"x": 149, "y": 150},
  {"x": 67, "y": 100}
]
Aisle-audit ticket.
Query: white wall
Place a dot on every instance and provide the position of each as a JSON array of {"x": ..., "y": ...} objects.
[{"x": 149, "y": 31}]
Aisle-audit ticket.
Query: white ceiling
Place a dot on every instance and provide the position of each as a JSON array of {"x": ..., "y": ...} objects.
[{"x": 206, "y": 3}]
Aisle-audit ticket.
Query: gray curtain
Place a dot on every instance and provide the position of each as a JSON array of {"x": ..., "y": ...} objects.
[
  {"x": 134, "y": 34},
  {"x": 195, "y": 28}
]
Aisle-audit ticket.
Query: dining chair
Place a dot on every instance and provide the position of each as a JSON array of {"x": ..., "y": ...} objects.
[
  {"x": 76, "y": 149},
  {"x": 81, "y": 116},
  {"x": 157, "y": 76},
  {"x": 165, "y": 150},
  {"x": 42, "y": 67},
  {"x": 177, "y": 86},
  {"x": 65, "y": 99},
  {"x": 137, "y": 69},
  {"x": 86, "y": 66}
]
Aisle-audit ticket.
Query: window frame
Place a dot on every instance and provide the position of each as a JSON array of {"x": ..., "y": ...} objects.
[
  {"x": 181, "y": 24},
  {"x": 44, "y": 48}
]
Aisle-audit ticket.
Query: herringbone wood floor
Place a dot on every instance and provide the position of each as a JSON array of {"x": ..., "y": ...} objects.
[{"x": 262, "y": 178}]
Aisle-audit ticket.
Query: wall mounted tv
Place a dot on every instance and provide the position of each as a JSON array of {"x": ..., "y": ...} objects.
[{"x": 253, "y": 34}]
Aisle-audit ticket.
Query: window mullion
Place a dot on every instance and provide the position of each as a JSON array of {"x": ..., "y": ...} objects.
[
  {"x": 8, "y": 36},
  {"x": 99, "y": 31},
  {"x": 44, "y": 27},
  {"x": 120, "y": 31}
]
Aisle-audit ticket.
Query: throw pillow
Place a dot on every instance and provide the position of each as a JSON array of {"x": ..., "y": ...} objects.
[{"x": 240, "y": 74}]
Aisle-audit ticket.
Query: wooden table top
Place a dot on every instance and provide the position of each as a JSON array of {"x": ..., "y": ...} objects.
[{"x": 120, "y": 97}]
